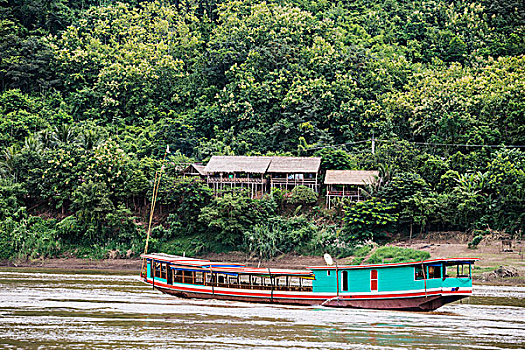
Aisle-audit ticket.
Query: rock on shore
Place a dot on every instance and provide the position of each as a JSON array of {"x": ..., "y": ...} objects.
[{"x": 499, "y": 273}]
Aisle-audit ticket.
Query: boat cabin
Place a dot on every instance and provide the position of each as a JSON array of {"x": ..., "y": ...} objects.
[
  {"x": 426, "y": 276},
  {"x": 165, "y": 270}
]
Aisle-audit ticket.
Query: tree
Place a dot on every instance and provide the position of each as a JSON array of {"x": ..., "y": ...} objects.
[
  {"x": 188, "y": 196},
  {"x": 370, "y": 220},
  {"x": 229, "y": 216},
  {"x": 506, "y": 183},
  {"x": 19, "y": 117},
  {"x": 335, "y": 159}
]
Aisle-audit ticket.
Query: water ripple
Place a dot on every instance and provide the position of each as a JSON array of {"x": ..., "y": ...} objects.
[{"x": 99, "y": 311}]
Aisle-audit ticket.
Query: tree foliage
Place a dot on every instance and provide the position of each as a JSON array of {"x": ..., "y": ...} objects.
[{"x": 91, "y": 92}]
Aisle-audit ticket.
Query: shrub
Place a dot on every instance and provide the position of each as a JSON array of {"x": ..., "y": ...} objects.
[
  {"x": 328, "y": 239},
  {"x": 397, "y": 254},
  {"x": 278, "y": 236},
  {"x": 29, "y": 238},
  {"x": 302, "y": 195},
  {"x": 475, "y": 241}
]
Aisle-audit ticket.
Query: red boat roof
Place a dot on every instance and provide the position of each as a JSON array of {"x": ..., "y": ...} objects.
[
  {"x": 241, "y": 268},
  {"x": 185, "y": 261},
  {"x": 223, "y": 266},
  {"x": 430, "y": 261}
]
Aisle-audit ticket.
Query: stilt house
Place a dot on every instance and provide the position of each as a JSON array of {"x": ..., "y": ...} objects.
[
  {"x": 194, "y": 169},
  {"x": 260, "y": 174},
  {"x": 348, "y": 183},
  {"x": 237, "y": 171},
  {"x": 288, "y": 172}
]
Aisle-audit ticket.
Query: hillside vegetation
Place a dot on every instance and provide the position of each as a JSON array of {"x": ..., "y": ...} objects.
[{"x": 91, "y": 92}]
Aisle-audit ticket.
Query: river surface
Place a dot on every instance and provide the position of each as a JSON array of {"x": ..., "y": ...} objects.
[{"x": 53, "y": 309}]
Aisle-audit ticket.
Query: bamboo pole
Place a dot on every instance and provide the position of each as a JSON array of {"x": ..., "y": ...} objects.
[{"x": 154, "y": 195}]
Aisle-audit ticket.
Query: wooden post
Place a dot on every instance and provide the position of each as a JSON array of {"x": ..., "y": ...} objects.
[
  {"x": 212, "y": 280},
  {"x": 153, "y": 275},
  {"x": 272, "y": 285},
  {"x": 425, "y": 277},
  {"x": 337, "y": 277}
]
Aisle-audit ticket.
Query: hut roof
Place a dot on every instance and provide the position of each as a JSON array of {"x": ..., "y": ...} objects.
[
  {"x": 194, "y": 168},
  {"x": 295, "y": 165},
  {"x": 235, "y": 164},
  {"x": 350, "y": 177},
  {"x": 199, "y": 168},
  {"x": 261, "y": 165}
]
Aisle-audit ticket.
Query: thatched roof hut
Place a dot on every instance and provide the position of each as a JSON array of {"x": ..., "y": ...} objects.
[
  {"x": 350, "y": 177},
  {"x": 238, "y": 164},
  {"x": 288, "y": 165},
  {"x": 262, "y": 165},
  {"x": 194, "y": 170}
]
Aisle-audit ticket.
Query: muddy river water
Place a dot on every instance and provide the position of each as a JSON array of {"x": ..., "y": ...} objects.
[{"x": 50, "y": 309}]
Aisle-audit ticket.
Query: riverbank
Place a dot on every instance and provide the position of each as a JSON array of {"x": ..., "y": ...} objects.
[{"x": 490, "y": 253}]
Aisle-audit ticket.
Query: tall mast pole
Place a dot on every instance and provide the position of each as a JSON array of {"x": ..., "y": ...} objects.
[{"x": 156, "y": 185}]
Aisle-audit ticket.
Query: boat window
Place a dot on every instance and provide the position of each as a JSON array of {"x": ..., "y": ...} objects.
[
  {"x": 157, "y": 269},
  {"x": 458, "y": 270},
  {"x": 256, "y": 280},
  {"x": 244, "y": 279},
  {"x": 144, "y": 269},
  {"x": 169, "y": 275},
  {"x": 344, "y": 281},
  {"x": 221, "y": 279},
  {"x": 188, "y": 277},
  {"x": 163, "y": 271},
  {"x": 233, "y": 280},
  {"x": 307, "y": 282},
  {"x": 373, "y": 280},
  {"x": 328, "y": 272},
  {"x": 199, "y": 277},
  {"x": 434, "y": 271},
  {"x": 280, "y": 281},
  {"x": 419, "y": 275},
  {"x": 177, "y": 276},
  {"x": 295, "y": 282}
]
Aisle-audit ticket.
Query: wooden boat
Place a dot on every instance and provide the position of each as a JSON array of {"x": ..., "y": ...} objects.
[{"x": 421, "y": 286}]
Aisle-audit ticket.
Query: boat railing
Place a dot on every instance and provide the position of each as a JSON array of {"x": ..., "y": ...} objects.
[
  {"x": 242, "y": 285},
  {"x": 228, "y": 180},
  {"x": 263, "y": 287},
  {"x": 205, "y": 279}
]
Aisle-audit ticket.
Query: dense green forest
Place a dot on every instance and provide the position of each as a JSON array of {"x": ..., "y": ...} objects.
[{"x": 92, "y": 92}]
